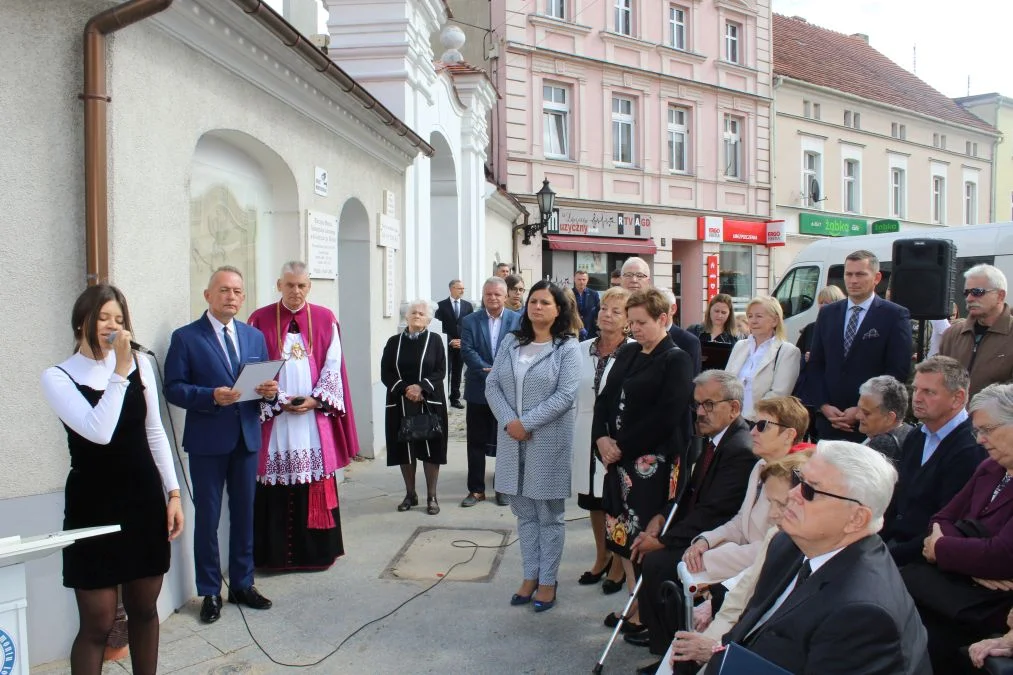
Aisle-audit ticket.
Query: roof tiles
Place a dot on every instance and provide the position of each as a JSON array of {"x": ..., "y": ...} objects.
[{"x": 826, "y": 58}]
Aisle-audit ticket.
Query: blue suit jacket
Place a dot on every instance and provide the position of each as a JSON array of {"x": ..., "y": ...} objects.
[
  {"x": 476, "y": 348},
  {"x": 881, "y": 347},
  {"x": 194, "y": 367}
]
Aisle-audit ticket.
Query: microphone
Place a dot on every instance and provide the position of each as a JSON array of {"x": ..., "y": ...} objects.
[{"x": 136, "y": 346}]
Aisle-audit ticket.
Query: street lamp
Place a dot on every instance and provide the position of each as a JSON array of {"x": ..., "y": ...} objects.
[{"x": 546, "y": 202}]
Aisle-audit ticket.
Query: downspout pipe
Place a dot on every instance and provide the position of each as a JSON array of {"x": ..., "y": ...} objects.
[{"x": 96, "y": 103}]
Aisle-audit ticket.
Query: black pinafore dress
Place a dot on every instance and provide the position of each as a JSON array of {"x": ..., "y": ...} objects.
[{"x": 111, "y": 484}]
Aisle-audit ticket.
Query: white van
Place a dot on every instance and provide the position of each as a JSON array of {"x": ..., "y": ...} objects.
[{"x": 822, "y": 263}]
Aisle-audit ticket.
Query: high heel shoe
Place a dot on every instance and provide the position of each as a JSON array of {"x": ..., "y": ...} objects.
[
  {"x": 408, "y": 502},
  {"x": 546, "y": 605},
  {"x": 589, "y": 578},
  {"x": 519, "y": 599},
  {"x": 432, "y": 506},
  {"x": 608, "y": 587}
]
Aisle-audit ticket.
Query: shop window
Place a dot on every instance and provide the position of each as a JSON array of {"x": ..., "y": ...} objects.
[
  {"x": 797, "y": 291},
  {"x": 736, "y": 276}
]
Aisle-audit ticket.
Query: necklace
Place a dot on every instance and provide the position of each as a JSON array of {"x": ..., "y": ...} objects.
[{"x": 297, "y": 349}]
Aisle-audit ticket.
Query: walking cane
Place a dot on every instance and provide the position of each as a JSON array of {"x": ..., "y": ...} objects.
[{"x": 629, "y": 604}]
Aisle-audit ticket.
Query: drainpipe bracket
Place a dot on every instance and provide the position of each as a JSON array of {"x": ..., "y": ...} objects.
[{"x": 94, "y": 97}]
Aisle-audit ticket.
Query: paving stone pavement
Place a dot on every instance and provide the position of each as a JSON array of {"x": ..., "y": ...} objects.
[{"x": 456, "y": 627}]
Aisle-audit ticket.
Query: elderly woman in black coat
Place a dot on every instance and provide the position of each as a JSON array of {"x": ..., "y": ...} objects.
[{"x": 413, "y": 367}]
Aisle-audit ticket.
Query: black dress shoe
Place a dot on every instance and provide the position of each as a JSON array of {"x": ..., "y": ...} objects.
[
  {"x": 608, "y": 587},
  {"x": 639, "y": 639},
  {"x": 211, "y": 609},
  {"x": 649, "y": 669},
  {"x": 457, "y": 404},
  {"x": 250, "y": 597}
]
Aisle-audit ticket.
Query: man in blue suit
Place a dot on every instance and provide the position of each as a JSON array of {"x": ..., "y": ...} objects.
[
  {"x": 855, "y": 340},
  {"x": 482, "y": 332},
  {"x": 222, "y": 436},
  {"x": 588, "y": 303}
]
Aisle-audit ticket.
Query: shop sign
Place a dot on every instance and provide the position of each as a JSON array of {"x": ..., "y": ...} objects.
[
  {"x": 712, "y": 276},
  {"x": 885, "y": 226},
  {"x": 831, "y": 226},
  {"x": 716, "y": 229},
  {"x": 599, "y": 224}
]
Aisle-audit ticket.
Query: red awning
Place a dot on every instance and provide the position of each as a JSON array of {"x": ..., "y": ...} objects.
[{"x": 603, "y": 244}]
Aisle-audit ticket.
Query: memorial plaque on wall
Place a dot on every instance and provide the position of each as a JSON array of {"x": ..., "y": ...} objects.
[{"x": 322, "y": 245}]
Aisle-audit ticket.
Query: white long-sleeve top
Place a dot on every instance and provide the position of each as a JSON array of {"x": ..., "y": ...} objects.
[{"x": 98, "y": 423}]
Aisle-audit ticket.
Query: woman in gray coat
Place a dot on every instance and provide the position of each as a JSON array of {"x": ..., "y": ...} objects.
[{"x": 532, "y": 389}]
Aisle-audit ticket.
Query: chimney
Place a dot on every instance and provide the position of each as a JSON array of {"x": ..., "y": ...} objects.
[
  {"x": 302, "y": 14},
  {"x": 861, "y": 36}
]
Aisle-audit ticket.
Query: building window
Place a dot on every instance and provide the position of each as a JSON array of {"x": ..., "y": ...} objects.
[
  {"x": 676, "y": 27},
  {"x": 942, "y": 141},
  {"x": 970, "y": 203},
  {"x": 735, "y": 262},
  {"x": 971, "y": 149},
  {"x": 816, "y": 111},
  {"x": 898, "y": 130},
  {"x": 847, "y": 118},
  {"x": 733, "y": 147},
  {"x": 556, "y": 8},
  {"x": 732, "y": 33},
  {"x": 807, "y": 109},
  {"x": 622, "y": 130},
  {"x": 939, "y": 200},
  {"x": 935, "y": 140},
  {"x": 556, "y": 121},
  {"x": 811, "y": 179},
  {"x": 678, "y": 139},
  {"x": 857, "y": 120},
  {"x": 624, "y": 16},
  {"x": 897, "y": 192},
  {"x": 852, "y": 186}
]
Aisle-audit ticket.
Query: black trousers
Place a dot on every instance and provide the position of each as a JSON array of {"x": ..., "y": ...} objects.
[
  {"x": 482, "y": 428},
  {"x": 828, "y": 433},
  {"x": 658, "y": 567},
  {"x": 456, "y": 368}
]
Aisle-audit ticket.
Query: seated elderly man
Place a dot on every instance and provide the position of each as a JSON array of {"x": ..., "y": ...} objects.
[
  {"x": 882, "y": 405},
  {"x": 830, "y": 599},
  {"x": 936, "y": 460},
  {"x": 715, "y": 491}
]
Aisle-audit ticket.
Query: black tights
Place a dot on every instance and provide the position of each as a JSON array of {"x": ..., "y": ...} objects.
[
  {"x": 97, "y": 612},
  {"x": 432, "y": 472}
]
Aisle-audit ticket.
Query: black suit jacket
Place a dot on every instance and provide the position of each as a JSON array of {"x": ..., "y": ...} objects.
[
  {"x": 881, "y": 347},
  {"x": 853, "y": 616},
  {"x": 722, "y": 490},
  {"x": 922, "y": 491},
  {"x": 688, "y": 343},
  {"x": 445, "y": 314}
]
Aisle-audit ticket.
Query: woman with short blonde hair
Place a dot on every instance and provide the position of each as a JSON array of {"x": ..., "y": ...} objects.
[{"x": 766, "y": 364}]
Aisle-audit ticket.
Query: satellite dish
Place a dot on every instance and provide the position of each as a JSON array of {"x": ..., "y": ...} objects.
[{"x": 814, "y": 191}]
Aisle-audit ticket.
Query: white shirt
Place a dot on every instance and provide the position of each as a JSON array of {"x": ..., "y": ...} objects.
[
  {"x": 527, "y": 356},
  {"x": 494, "y": 323},
  {"x": 814, "y": 565},
  {"x": 865, "y": 305},
  {"x": 748, "y": 369},
  {"x": 231, "y": 325},
  {"x": 939, "y": 326},
  {"x": 98, "y": 423},
  {"x": 716, "y": 438}
]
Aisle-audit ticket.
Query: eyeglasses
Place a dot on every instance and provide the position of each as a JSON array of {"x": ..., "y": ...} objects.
[
  {"x": 985, "y": 430},
  {"x": 978, "y": 292},
  {"x": 635, "y": 275},
  {"x": 761, "y": 425},
  {"x": 708, "y": 405},
  {"x": 809, "y": 492}
]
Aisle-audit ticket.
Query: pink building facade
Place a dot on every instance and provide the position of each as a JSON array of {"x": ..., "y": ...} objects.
[{"x": 651, "y": 119}]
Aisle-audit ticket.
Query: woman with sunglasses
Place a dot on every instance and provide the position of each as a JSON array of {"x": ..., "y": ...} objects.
[
  {"x": 766, "y": 365},
  {"x": 971, "y": 545},
  {"x": 637, "y": 428},
  {"x": 981, "y": 340},
  {"x": 727, "y": 550}
]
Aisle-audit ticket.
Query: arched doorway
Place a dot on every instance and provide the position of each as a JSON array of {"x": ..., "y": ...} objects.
[
  {"x": 356, "y": 298},
  {"x": 444, "y": 221}
]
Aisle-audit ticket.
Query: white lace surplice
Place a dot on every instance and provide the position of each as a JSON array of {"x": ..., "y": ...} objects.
[{"x": 294, "y": 455}]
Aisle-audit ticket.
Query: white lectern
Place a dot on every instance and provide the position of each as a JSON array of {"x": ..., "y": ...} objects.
[{"x": 14, "y": 553}]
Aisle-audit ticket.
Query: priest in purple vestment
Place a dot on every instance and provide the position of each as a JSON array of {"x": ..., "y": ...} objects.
[{"x": 308, "y": 434}]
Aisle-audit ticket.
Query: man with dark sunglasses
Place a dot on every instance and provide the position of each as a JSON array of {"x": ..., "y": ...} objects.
[
  {"x": 829, "y": 598},
  {"x": 983, "y": 342}
]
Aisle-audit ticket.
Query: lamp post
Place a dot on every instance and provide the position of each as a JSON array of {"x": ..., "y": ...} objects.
[{"x": 546, "y": 203}]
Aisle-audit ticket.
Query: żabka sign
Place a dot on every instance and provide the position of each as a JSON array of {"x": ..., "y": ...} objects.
[{"x": 716, "y": 229}]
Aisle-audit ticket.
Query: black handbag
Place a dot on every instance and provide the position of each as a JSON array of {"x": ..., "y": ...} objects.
[{"x": 424, "y": 426}]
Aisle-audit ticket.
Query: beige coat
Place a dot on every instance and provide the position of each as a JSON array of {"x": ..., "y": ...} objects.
[
  {"x": 774, "y": 376},
  {"x": 735, "y": 545}
]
